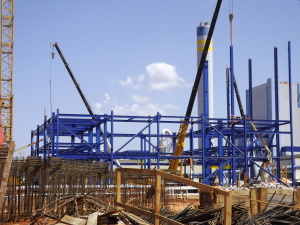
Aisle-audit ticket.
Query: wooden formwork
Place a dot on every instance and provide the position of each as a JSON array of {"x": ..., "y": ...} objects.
[
  {"x": 158, "y": 175},
  {"x": 257, "y": 199}
]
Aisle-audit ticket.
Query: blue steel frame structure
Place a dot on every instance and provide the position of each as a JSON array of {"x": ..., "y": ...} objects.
[{"x": 77, "y": 136}]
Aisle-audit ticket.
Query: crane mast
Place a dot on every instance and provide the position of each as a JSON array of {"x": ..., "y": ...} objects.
[{"x": 6, "y": 86}]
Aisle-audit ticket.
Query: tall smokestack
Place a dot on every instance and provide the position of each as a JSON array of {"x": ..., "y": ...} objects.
[{"x": 202, "y": 32}]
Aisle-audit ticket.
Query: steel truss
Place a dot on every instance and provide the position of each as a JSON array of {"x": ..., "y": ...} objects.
[{"x": 77, "y": 136}]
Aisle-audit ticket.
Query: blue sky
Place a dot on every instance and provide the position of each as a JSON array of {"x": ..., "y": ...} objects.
[{"x": 139, "y": 57}]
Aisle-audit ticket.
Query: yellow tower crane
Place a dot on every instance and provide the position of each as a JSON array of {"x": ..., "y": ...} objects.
[{"x": 6, "y": 86}]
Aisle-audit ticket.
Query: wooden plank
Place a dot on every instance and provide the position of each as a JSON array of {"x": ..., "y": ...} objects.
[
  {"x": 280, "y": 191},
  {"x": 148, "y": 214},
  {"x": 297, "y": 198},
  {"x": 136, "y": 219},
  {"x": 113, "y": 213},
  {"x": 228, "y": 209},
  {"x": 195, "y": 184},
  {"x": 6, "y": 173},
  {"x": 262, "y": 195},
  {"x": 118, "y": 185},
  {"x": 157, "y": 197},
  {"x": 73, "y": 220},
  {"x": 245, "y": 193},
  {"x": 253, "y": 203},
  {"x": 93, "y": 219}
]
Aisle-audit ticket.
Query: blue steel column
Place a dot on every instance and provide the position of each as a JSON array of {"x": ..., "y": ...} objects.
[
  {"x": 52, "y": 134},
  {"x": 291, "y": 113},
  {"x": 203, "y": 151},
  {"x": 149, "y": 145},
  {"x": 277, "y": 111},
  {"x": 251, "y": 114},
  {"x": 72, "y": 141},
  {"x": 192, "y": 150},
  {"x": 228, "y": 92},
  {"x": 206, "y": 115},
  {"x": 220, "y": 153},
  {"x": 232, "y": 114},
  {"x": 57, "y": 132},
  {"x": 205, "y": 88},
  {"x": 250, "y": 89},
  {"x": 141, "y": 152},
  {"x": 31, "y": 146},
  {"x": 90, "y": 139},
  {"x": 105, "y": 134},
  {"x": 98, "y": 137},
  {"x": 158, "y": 149},
  {"x": 245, "y": 146},
  {"x": 145, "y": 151},
  {"x": 38, "y": 141},
  {"x": 45, "y": 139},
  {"x": 111, "y": 141}
]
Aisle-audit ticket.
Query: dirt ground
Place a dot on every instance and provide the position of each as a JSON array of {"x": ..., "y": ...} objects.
[{"x": 180, "y": 204}]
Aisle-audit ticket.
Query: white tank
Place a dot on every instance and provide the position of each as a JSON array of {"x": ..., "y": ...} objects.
[
  {"x": 163, "y": 144},
  {"x": 202, "y": 32}
]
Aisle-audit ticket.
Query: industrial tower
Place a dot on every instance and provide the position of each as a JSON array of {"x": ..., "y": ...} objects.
[{"x": 7, "y": 37}]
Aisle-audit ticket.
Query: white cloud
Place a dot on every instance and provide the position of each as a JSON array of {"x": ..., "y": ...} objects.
[
  {"x": 134, "y": 82},
  {"x": 97, "y": 107},
  {"x": 140, "y": 110},
  {"x": 140, "y": 99},
  {"x": 106, "y": 99},
  {"x": 141, "y": 106},
  {"x": 159, "y": 76},
  {"x": 163, "y": 76}
]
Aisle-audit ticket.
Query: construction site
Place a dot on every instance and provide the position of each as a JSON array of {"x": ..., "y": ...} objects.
[{"x": 108, "y": 168}]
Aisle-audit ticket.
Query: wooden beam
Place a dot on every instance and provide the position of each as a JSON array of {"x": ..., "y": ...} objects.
[
  {"x": 118, "y": 186},
  {"x": 253, "y": 202},
  {"x": 93, "y": 219},
  {"x": 136, "y": 220},
  {"x": 157, "y": 197},
  {"x": 73, "y": 220},
  {"x": 262, "y": 195},
  {"x": 202, "y": 187},
  {"x": 228, "y": 209},
  {"x": 148, "y": 214},
  {"x": 6, "y": 173},
  {"x": 297, "y": 199}
]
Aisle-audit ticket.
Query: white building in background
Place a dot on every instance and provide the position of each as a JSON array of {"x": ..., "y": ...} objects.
[{"x": 263, "y": 100}]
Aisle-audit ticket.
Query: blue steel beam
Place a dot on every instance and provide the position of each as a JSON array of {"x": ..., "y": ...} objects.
[
  {"x": 291, "y": 113},
  {"x": 277, "y": 110}
]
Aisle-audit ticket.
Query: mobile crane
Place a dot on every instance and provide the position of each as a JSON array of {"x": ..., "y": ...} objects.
[
  {"x": 85, "y": 101},
  {"x": 184, "y": 126}
]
